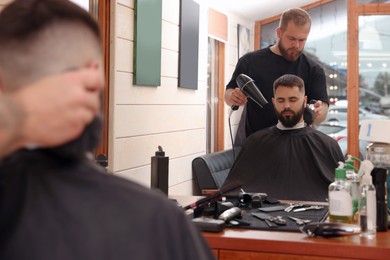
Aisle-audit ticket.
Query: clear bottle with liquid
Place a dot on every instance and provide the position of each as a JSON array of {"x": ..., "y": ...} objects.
[
  {"x": 352, "y": 177},
  {"x": 340, "y": 198},
  {"x": 367, "y": 207}
]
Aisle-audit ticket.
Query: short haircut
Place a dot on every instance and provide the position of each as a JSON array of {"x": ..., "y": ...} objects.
[
  {"x": 299, "y": 17},
  {"x": 39, "y": 38},
  {"x": 289, "y": 80},
  {"x": 22, "y": 19},
  {"x": 43, "y": 37}
]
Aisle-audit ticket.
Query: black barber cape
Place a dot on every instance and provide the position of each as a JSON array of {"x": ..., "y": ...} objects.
[
  {"x": 296, "y": 164},
  {"x": 55, "y": 209}
]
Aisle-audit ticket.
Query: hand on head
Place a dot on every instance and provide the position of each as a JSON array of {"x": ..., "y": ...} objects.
[
  {"x": 57, "y": 108},
  {"x": 320, "y": 111}
]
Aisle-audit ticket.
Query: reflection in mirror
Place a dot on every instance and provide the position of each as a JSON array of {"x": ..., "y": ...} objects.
[
  {"x": 212, "y": 96},
  {"x": 268, "y": 34},
  {"x": 374, "y": 63},
  {"x": 327, "y": 44}
]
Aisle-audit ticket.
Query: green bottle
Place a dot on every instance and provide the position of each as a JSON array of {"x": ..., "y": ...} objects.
[
  {"x": 352, "y": 177},
  {"x": 340, "y": 198}
]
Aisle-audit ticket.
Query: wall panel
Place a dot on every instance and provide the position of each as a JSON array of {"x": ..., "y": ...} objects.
[
  {"x": 189, "y": 44},
  {"x": 152, "y": 119},
  {"x": 124, "y": 55},
  {"x": 124, "y": 22},
  {"x": 171, "y": 11},
  {"x": 147, "y": 42},
  {"x": 170, "y": 60},
  {"x": 170, "y": 36},
  {"x": 168, "y": 93},
  {"x": 180, "y": 175},
  {"x": 137, "y": 151},
  {"x": 182, "y": 188},
  {"x": 129, "y": 3}
]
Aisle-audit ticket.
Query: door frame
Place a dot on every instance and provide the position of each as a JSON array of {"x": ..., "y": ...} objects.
[{"x": 103, "y": 18}]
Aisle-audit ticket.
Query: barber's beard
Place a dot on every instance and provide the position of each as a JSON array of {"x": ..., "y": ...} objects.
[
  {"x": 290, "y": 118},
  {"x": 291, "y": 54}
]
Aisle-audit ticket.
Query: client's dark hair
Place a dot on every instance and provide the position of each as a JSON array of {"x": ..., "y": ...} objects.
[
  {"x": 308, "y": 115},
  {"x": 289, "y": 80},
  {"x": 25, "y": 18},
  {"x": 22, "y": 21}
]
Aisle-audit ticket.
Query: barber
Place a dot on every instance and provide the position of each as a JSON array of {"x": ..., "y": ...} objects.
[
  {"x": 266, "y": 65},
  {"x": 31, "y": 115}
]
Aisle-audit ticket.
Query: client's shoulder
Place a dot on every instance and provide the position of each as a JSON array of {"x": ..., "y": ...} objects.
[
  {"x": 314, "y": 133},
  {"x": 82, "y": 179},
  {"x": 117, "y": 188}
]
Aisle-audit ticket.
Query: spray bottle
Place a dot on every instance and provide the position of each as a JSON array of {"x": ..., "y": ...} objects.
[
  {"x": 340, "y": 197},
  {"x": 367, "y": 201}
]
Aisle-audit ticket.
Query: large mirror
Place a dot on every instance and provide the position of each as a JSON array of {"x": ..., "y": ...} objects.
[{"x": 327, "y": 44}]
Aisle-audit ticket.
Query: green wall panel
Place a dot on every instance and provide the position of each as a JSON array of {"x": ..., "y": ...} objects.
[{"x": 147, "y": 42}]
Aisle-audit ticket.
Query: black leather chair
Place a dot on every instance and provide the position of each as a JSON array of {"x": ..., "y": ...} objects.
[{"x": 211, "y": 170}]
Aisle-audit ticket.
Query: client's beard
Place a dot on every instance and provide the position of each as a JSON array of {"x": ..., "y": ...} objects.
[
  {"x": 290, "y": 121},
  {"x": 87, "y": 142}
]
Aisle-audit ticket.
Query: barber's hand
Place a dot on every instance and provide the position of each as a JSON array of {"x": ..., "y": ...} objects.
[
  {"x": 235, "y": 97},
  {"x": 57, "y": 108},
  {"x": 320, "y": 111}
]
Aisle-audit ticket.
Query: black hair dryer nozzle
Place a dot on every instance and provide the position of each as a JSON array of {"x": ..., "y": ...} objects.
[{"x": 248, "y": 86}]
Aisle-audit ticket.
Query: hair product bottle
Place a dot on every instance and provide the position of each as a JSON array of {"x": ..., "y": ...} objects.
[
  {"x": 367, "y": 207},
  {"x": 340, "y": 197}
]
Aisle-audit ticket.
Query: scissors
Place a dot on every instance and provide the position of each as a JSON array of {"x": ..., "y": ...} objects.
[
  {"x": 299, "y": 221},
  {"x": 308, "y": 208}
]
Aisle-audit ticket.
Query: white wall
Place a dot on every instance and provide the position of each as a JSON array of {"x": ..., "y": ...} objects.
[
  {"x": 141, "y": 118},
  {"x": 231, "y": 59}
]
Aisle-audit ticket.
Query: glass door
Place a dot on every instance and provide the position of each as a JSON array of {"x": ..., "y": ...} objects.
[
  {"x": 374, "y": 65},
  {"x": 212, "y": 96},
  {"x": 215, "y": 103}
]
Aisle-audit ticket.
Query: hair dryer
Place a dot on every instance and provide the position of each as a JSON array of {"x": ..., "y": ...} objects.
[{"x": 248, "y": 86}]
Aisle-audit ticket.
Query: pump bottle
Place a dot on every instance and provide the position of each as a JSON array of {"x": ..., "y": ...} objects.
[
  {"x": 367, "y": 207},
  {"x": 340, "y": 197}
]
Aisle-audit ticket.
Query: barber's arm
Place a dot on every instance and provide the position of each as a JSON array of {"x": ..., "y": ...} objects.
[
  {"x": 49, "y": 112},
  {"x": 320, "y": 111},
  {"x": 235, "y": 97},
  {"x": 319, "y": 92}
]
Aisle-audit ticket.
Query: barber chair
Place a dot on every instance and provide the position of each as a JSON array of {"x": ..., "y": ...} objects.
[{"x": 211, "y": 170}]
